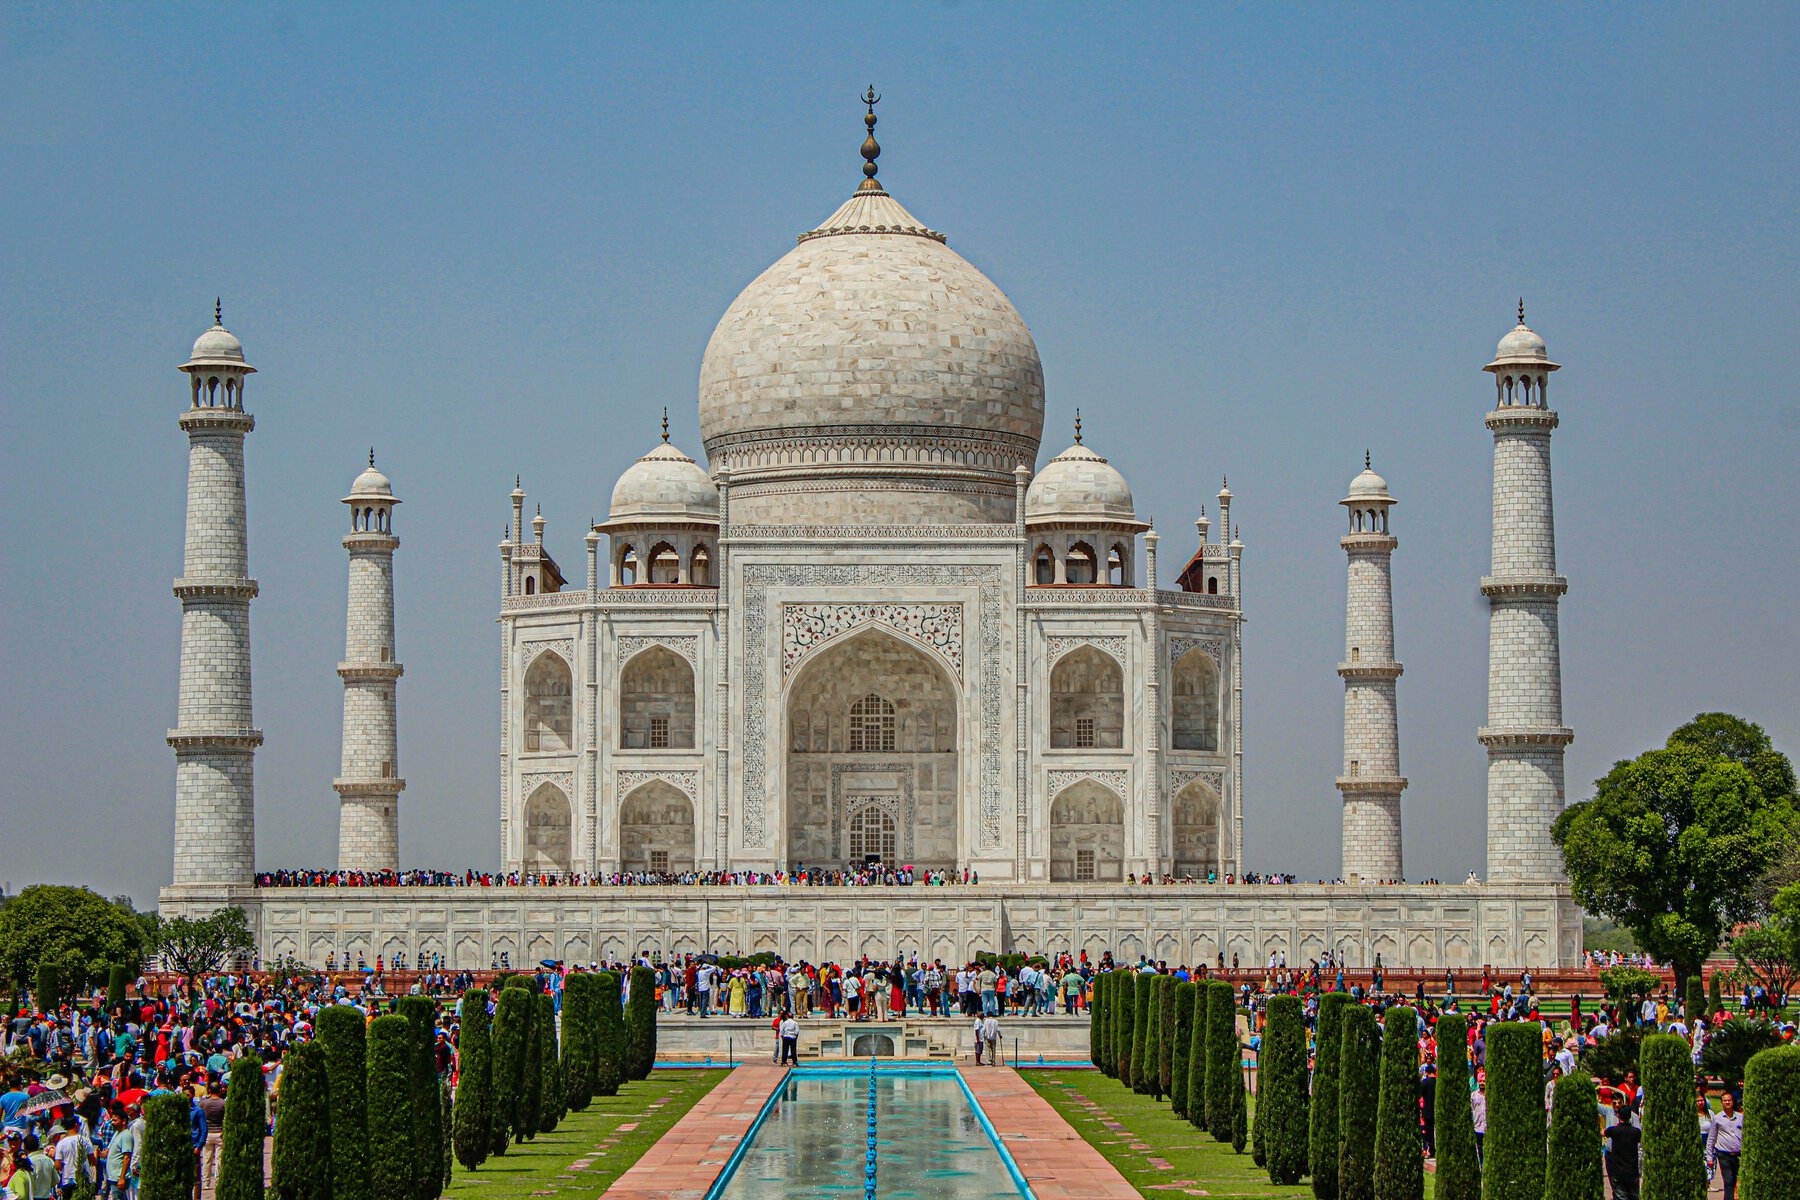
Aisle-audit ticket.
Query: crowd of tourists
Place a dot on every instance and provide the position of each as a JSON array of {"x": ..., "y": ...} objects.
[{"x": 872, "y": 875}]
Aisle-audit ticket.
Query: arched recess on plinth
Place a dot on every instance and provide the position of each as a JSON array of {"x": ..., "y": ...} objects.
[
  {"x": 549, "y": 831},
  {"x": 1197, "y": 827},
  {"x": 656, "y": 829}
]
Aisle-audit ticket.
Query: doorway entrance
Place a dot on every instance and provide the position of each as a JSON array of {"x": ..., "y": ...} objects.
[{"x": 873, "y": 833}]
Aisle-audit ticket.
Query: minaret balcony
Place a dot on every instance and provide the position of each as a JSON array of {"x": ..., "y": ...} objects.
[
  {"x": 368, "y": 787},
  {"x": 1521, "y": 416},
  {"x": 1369, "y": 541},
  {"x": 1381, "y": 785},
  {"x": 371, "y": 540},
  {"x": 215, "y": 587},
  {"x": 370, "y": 670},
  {"x": 1493, "y": 736},
  {"x": 1523, "y": 585},
  {"x": 1370, "y": 670},
  {"x": 229, "y": 420},
  {"x": 225, "y": 738}
]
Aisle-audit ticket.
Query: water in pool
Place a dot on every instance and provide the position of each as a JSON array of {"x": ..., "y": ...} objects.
[{"x": 929, "y": 1142}]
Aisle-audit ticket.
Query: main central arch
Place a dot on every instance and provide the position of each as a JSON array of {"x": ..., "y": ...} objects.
[{"x": 874, "y": 766}]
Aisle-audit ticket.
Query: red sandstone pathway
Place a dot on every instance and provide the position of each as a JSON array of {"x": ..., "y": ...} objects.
[
  {"x": 1055, "y": 1160},
  {"x": 684, "y": 1162}
]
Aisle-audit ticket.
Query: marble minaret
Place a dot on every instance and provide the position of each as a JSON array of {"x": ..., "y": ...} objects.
[
  {"x": 369, "y": 783},
  {"x": 214, "y": 741},
  {"x": 1524, "y": 735},
  {"x": 1371, "y": 782}
]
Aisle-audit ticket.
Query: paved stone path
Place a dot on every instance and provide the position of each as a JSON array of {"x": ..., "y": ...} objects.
[
  {"x": 684, "y": 1162},
  {"x": 1055, "y": 1160}
]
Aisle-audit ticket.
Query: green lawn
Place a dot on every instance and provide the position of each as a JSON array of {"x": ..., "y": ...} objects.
[
  {"x": 608, "y": 1138},
  {"x": 1159, "y": 1154}
]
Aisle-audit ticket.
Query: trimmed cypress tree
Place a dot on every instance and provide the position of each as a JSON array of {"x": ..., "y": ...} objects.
[
  {"x": 1573, "y": 1170},
  {"x": 1182, "y": 1031},
  {"x": 1094, "y": 1029},
  {"x": 393, "y": 1152},
  {"x": 447, "y": 1138},
  {"x": 246, "y": 1125},
  {"x": 48, "y": 990},
  {"x": 1140, "y": 1032},
  {"x": 1771, "y": 1125},
  {"x": 1359, "y": 1092},
  {"x": 168, "y": 1170},
  {"x": 640, "y": 1054},
  {"x": 118, "y": 981},
  {"x": 340, "y": 1031},
  {"x": 1458, "y": 1171},
  {"x": 301, "y": 1166},
  {"x": 578, "y": 1041},
  {"x": 1674, "y": 1164},
  {"x": 1513, "y": 1165},
  {"x": 428, "y": 1121},
  {"x": 1222, "y": 1070},
  {"x": 1693, "y": 1005},
  {"x": 1127, "y": 1002},
  {"x": 1240, "y": 1113},
  {"x": 1196, "y": 1101},
  {"x": 1164, "y": 999},
  {"x": 550, "y": 1108},
  {"x": 511, "y": 1027},
  {"x": 474, "y": 1081},
  {"x": 1149, "y": 1076},
  {"x": 531, "y": 1093},
  {"x": 1715, "y": 996},
  {"x": 1322, "y": 1117},
  {"x": 1259, "y": 1153},
  {"x": 609, "y": 1036},
  {"x": 1281, "y": 1091},
  {"x": 1399, "y": 1170}
]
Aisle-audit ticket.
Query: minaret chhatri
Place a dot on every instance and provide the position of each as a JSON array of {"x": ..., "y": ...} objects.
[
  {"x": 369, "y": 783},
  {"x": 214, "y": 741},
  {"x": 1524, "y": 735},
  {"x": 1371, "y": 782}
]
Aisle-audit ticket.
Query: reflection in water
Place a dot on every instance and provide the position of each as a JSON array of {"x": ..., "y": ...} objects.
[{"x": 930, "y": 1145}]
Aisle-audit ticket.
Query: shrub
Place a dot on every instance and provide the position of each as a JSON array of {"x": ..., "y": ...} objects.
[
  {"x": 1322, "y": 1116},
  {"x": 1693, "y": 1005},
  {"x": 1629, "y": 985},
  {"x": 1127, "y": 1018},
  {"x": 1163, "y": 997},
  {"x": 550, "y": 1108},
  {"x": 531, "y": 1094},
  {"x": 168, "y": 1170},
  {"x": 1399, "y": 1171},
  {"x": 393, "y": 1151},
  {"x": 474, "y": 1082},
  {"x": 1150, "y": 1072},
  {"x": 609, "y": 1036},
  {"x": 1182, "y": 1032},
  {"x": 1771, "y": 1125},
  {"x": 1140, "y": 1032},
  {"x": 1223, "y": 1073},
  {"x": 447, "y": 1133},
  {"x": 511, "y": 1027},
  {"x": 1281, "y": 1090},
  {"x": 1513, "y": 1163},
  {"x": 428, "y": 1121},
  {"x": 340, "y": 1031},
  {"x": 1458, "y": 1170},
  {"x": 1359, "y": 1090},
  {"x": 118, "y": 982},
  {"x": 1731, "y": 1047},
  {"x": 301, "y": 1165},
  {"x": 1240, "y": 1113},
  {"x": 1674, "y": 1166},
  {"x": 1096, "y": 1030},
  {"x": 1259, "y": 1151},
  {"x": 48, "y": 990},
  {"x": 578, "y": 1041},
  {"x": 1615, "y": 1054},
  {"x": 1715, "y": 995},
  {"x": 640, "y": 1054},
  {"x": 246, "y": 1126},
  {"x": 1573, "y": 1157},
  {"x": 1197, "y": 1057}
]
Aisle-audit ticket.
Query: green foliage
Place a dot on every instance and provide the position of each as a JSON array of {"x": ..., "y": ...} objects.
[
  {"x": 447, "y": 1131},
  {"x": 1359, "y": 1091},
  {"x": 1149, "y": 1074},
  {"x": 1514, "y": 1148},
  {"x": 1733, "y": 1044},
  {"x": 428, "y": 1121},
  {"x": 1458, "y": 1172},
  {"x": 1674, "y": 1166},
  {"x": 1693, "y": 1004},
  {"x": 1259, "y": 1151},
  {"x": 1322, "y": 1139},
  {"x": 1281, "y": 1090},
  {"x": 1629, "y": 984},
  {"x": 1670, "y": 839},
  {"x": 531, "y": 1096},
  {"x": 1197, "y": 1057},
  {"x": 47, "y": 988},
  {"x": 50, "y": 921},
  {"x": 640, "y": 1053},
  {"x": 195, "y": 946},
  {"x": 1182, "y": 1045},
  {"x": 1240, "y": 1113},
  {"x": 609, "y": 1035},
  {"x": 1770, "y": 953},
  {"x": 246, "y": 1127},
  {"x": 1597, "y": 933},
  {"x": 1771, "y": 1126},
  {"x": 302, "y": 1161},
  {"x": 1222, "y": 1071},
  {"x": 1399, "y": 1171},
  {"x": 341, "y": 1033},
  {"x": 168, "y": 1155},
  {"x": 1615, "y": 1054},
  {"x": 1140, "y": 1032},
  {"x": 577, "y": 1042},
  {"x": 1127, "y": 1019},
  {"x": 118, "y": 982},
  {"x": 393, "y": 1151},
  {"x": 1096, "y": 1031},
  {"x": 474, "y": 1084},
  {"x": 511, "y": 1029},
  {"x": 1715, "y": 997},
  {"x": 1573, "y": 1156},
  {"x": 550, "y": 1107},
  {"x": 1163, "y": 998}
]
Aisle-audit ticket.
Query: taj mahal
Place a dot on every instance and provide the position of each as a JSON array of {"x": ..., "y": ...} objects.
[{"x": 868, "y": 620}]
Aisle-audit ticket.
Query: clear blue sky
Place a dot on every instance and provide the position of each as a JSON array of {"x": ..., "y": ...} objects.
[{"x": 493, "y": 240}]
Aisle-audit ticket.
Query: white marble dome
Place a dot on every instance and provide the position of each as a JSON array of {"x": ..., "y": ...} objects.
[
  {"x": 1367, "y": 486},
  {"x": 1521, "y": 344},
  {"x": 665, "y": 484},
  {"x": 371, "y": 485},
  {"x": 1077, "y": 485},
  {"x": 218, "y": 345}
]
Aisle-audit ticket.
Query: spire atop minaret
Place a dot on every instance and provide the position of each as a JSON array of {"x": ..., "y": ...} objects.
[
  {"x": 371, "y": 456},
  {"x": 1078, "y": 427},
  {"x": 218, "y": 312},
  {"x": 665, "y": 422},
  {"x": 871, "y": 149},
  {"x": 1521, "y": 310}
]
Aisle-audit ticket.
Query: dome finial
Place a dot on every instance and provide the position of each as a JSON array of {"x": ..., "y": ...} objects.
[
  {"x": 219, "y": 311},
  {"x": 1367, "y": 465},
  {"x": 1521, "y": 310},
  {"x": 871, "y": 149},
  {"x": 1078, "y": 427},
  {"x": 665, "y": 422}
]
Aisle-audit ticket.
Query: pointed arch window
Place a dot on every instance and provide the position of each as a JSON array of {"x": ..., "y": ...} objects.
[{"x": 871, "y": 725}]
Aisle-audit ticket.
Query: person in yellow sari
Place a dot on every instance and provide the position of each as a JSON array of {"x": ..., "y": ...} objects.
[{"x": 739, "y": 1005}]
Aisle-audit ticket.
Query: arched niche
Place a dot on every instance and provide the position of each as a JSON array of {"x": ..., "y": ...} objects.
[
  {"x": 549, "y": 704},
  {"x": 656, "y": 701},
  {"x": 1194, "y": 720},
  {"x": 1087, "y": 834},
  {"x": 549, "y": 831},
  {"x": 656, "y": 829},
  {"x": 1195, "y": 820},
  {"x": 1087, "y": 701}
]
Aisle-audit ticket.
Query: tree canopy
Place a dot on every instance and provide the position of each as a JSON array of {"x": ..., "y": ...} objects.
[
  {"x": 1672, "y": 840},
  {"x": 49, "y": 922},
  {"x": 196, "y": 945}
]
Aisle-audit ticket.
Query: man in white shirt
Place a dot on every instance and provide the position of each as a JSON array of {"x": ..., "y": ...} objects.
[
  {"x": 990, "y": 1033},
  {"x": 790, "y": 1039},
  {"x": 1725, "y": 1143}
]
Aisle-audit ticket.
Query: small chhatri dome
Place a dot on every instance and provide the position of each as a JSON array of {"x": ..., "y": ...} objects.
[
  {"x": 664, "y": 485},
  {"x": 1079, "y": 484},
  {"x": 371, "y": 485},
  {"x": 217, "y": 346},
  {"x": 1522, "y": 347},
  {"x": 1367, "y": 488}
]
